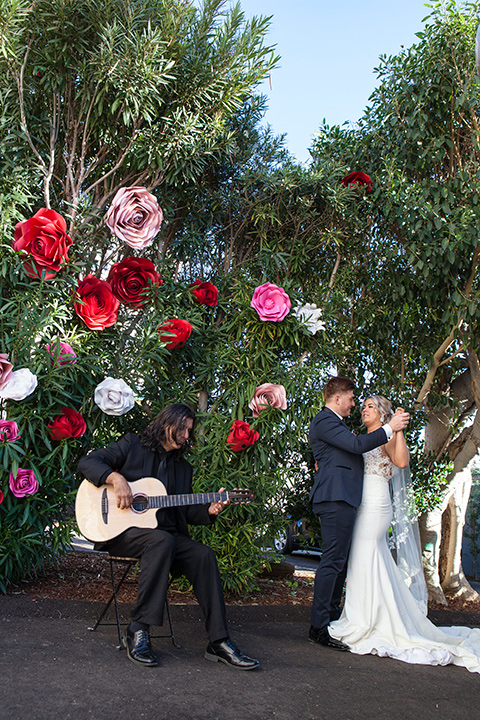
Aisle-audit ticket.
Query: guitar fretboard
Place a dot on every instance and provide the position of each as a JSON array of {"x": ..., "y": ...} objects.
[{"x": 163, "y": 501}]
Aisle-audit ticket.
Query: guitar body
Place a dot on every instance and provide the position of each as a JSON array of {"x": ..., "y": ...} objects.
[{"x": 98, "y": 517}]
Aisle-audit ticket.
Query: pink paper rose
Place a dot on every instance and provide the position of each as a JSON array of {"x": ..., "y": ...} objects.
[
  {"x": 271, "y": 302},
  {"x": 66, "y": 354},
  {"x": 5, "y": 369},
  {"x": 268, "y": 394},
  {"x": 24, "y": 483},
  {"x": 8, "y": 431},
  {"x": 134, "y": 216}
]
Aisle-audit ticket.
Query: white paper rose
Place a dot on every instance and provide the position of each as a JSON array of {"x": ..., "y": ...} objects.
[
  {"x": 114, "y": 396},
  {"x": 21, "y": 384},
  {"x": 310, "y": 316}
]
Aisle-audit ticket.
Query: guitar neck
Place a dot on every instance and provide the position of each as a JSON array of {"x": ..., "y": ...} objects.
[{"x": 164, "y": 501}]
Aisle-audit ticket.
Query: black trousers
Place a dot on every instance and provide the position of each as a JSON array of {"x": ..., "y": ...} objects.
[
  {"x": 337, "y": 520},
  {"x": 162, "y": 552}
]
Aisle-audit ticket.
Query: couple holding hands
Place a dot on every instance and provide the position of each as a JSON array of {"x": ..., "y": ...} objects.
[{"x": 385, "y": 607}]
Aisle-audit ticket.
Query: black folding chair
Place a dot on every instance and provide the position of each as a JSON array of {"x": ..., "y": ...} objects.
[{"x": 116, "y": 585}]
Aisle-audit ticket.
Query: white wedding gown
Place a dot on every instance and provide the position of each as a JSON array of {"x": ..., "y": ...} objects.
[{"x": 380, "y": 615}]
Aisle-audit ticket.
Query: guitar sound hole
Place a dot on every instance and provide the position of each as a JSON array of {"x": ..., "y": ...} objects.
[{"x": 140, "y": 503}]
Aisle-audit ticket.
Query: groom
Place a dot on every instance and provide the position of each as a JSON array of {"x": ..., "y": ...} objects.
[{"x": 335, "y": 495}]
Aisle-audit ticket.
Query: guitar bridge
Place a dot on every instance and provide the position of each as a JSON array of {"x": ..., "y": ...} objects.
[{"x": 105, "y": 506}]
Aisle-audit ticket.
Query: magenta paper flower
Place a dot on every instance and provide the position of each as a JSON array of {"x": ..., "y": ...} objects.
[
  {"x": 5, "y": 369},
  {"x": 268, "y": 394},
  {"x": 134, "y": 216},
  {"x": 66, "y": 355},
  {"x": 8, "y": 431},
  {"x": 271, "y": 302},
  {"x": 1, "y": 497},
  {"x": 24, "y": 483}
]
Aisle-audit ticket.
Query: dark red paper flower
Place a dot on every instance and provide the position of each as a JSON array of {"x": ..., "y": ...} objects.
[
  {"x": 44, "y": 239},
  {"x": 131, "y": 278},
  {"x": 205, "y": 293},
  {"x": 95, "y": 303},
  {"x": 360, "y": 179},
  {"x": 241, "y": 436},
  {"x": 181, "y": 330},
  {"x": 68, "y": 425}
]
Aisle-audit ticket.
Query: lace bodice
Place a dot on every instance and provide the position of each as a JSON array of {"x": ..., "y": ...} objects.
[{"x": 377, "y": 462}]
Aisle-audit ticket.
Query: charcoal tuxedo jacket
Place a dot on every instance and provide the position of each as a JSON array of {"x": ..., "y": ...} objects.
[{"x": 338, "y": 453}]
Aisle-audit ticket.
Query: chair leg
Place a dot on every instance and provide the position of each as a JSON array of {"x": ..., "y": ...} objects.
[
  {"x": 172, "y": 634},
  {"x": 114, "y": 599}
]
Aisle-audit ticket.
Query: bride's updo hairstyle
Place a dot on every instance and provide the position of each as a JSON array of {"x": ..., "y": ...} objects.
[{"x": 384, "y": 407}]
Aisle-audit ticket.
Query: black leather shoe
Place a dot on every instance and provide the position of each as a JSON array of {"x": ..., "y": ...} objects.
[
  {"x": 321, "y": 637},
  {"x": 139, "y": 649},
  {"x": 227, "y": 652}
]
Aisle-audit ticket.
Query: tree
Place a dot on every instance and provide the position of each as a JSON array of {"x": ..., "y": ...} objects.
[
  {"x": 117, "y": 105},
  {"x": 416, "y": 283}
]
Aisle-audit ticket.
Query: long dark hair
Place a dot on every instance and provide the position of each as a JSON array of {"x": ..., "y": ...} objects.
[{"x": 172, "y": 416}]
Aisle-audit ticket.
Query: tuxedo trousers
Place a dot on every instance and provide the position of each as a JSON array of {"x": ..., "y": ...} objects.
[
  {"x": 161, "y": 553},
  {"x": 337, "y": 520}
]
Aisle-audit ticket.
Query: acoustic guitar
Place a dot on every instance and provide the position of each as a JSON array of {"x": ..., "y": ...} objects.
[{"x": 99, "y": 519}]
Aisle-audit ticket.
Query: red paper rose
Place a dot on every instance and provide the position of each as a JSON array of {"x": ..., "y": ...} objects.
[
  {"x": 181, "y": 330},
  {"x": 241, "y": 436},
  {"x": 205, "y": 293},
  {"x": 68, "y": 425},
  {"x": 131, "y": 278},
  {"x": 360, "y": 179},
  {"x": 95, "y": 303},
  {"x": 43, "y": 237}
]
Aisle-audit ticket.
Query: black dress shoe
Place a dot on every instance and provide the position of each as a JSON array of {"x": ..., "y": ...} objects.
[
  {"x": 321, "y": 636},
  {"x": 139, "y": 649},
  {"x": 227, "y": 652}
]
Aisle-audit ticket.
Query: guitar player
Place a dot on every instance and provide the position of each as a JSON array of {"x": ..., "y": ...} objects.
[{"x": 159, "y": 452}]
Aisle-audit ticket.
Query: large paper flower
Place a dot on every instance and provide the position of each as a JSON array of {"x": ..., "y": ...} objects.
[
  {"x": 131, "y": 278},
  {"x": 44, "y": 239},
  {"x": 95, "y": 303},
  {"x": 8, "y": 431},
  {"x": 241, "y": 436},
  {"x": 268, "y": 394},
  {"x": 24, "y": 483},
  {"x": 21, "y": 384},
  {"x": 70, "y": 424},
  {"x": 271, "y": 302},
  {"x": 178, "y": 333},
  {"x": 134, "y": 216},
  {"x": 114, "y": 396},
  {"x": 310, "y": 316},
  {"x": 5, "y": 369},
  {"x": 205, "y": 293},
  {"x": 358, "y": 180},
  {"x": 66, "y": 354}
]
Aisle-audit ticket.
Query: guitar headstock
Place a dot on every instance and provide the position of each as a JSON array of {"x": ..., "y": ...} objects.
[{"x": 240, "y": 495}]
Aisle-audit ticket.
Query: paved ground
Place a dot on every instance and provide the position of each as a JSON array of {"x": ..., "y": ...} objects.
[{"x": 52, "y": 667}]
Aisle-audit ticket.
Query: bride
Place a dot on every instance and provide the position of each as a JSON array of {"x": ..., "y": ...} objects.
[{"x": 386, "y": 601}]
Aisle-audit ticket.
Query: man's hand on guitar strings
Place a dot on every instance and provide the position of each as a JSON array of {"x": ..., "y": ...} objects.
[{"x": 217, "y": 507}]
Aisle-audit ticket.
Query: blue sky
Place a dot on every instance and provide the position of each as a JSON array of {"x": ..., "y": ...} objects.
[{"x": 329, "y": 50}]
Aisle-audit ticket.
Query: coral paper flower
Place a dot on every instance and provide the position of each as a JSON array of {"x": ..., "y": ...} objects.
[
  {"x": 310, "y": 316},
  {"x": 114, "y": 396},
  {"x": 21, "y": 384},
  {"x": 268, "y": 394},
  {"x": 8, "y": 431},
  {"x": 5, "y": 369},
  {"x": 134, "y": 216},
  {"x": 241, "y": 436},
  {"x": 358, "y": 179},
  {"x": 24, "y": 483},
  {"x": 66, "y": 354},
  {"x": 131, "y": 278},
  {"x": 205, "y": 293},
  {"x": 70, "y": 424},
  {"x": 95, "y": 303},
  {"x": 44, "y": 239},
  {"x": 178, "y": 333},
  {"x": 271, "y": 302}
]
